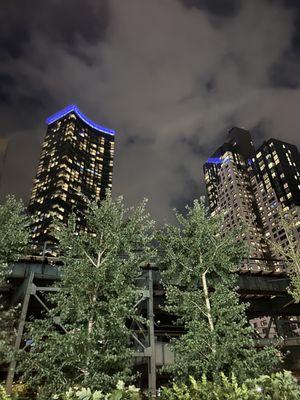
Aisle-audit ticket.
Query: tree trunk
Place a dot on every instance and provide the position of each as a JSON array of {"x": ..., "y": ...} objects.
[
  {"x": 208, "y": 307},
  {"x": 91, "y": 320}
]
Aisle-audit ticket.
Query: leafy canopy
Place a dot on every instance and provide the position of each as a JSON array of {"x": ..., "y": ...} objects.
[
  {"x": 197, "y": 263},
  {"x": 13, "y": 241},
  {"x": 290, "y": 252},
  {"x": 13, "y": 230},
  {"x": 90, "y": 343}
]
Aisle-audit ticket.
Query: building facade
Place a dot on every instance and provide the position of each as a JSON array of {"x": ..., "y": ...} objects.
[
  {"x": 255, "y": 188},
  {"x": 76, "y": 165},
  {"x": 276, "y": 184},
  {"x": 230, "y": 193}
]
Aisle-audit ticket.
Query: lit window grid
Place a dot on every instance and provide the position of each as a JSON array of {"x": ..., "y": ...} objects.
[{"x": 88, "y": 171}]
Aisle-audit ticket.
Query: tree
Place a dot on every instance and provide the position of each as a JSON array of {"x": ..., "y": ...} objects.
[
  {"x": 290, "y": 253},
  {"x": 13, "y": 241},
  {"x": 13, "y": 231},
  {"x": 197, "y": 264},
  {"x": 90, "y": 344}
]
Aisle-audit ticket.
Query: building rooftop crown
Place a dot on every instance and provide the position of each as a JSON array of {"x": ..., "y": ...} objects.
[{"x": 74, "y": 109}]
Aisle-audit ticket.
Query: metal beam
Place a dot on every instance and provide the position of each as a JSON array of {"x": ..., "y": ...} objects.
[
  {"x": 276, "y": 306},
  {"x": 252, "y": 284},
  {"x": 19, "y": 270},
  {"x": 152, "y": 361},
  {"x": 284, "y": 342},
  {"x": 275, "y": 302},
  {"x": 12, "y": 365}
]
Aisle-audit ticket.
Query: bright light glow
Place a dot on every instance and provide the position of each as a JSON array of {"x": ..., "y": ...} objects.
[
  {"x": 214, "y": 160},
  {"x": 218, "y": 160},
  {"x": 73, "y": 108}
]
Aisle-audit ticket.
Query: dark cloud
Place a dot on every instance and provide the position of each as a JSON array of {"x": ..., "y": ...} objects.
[
  {"x": 227, "y": 8},
  {"x": 6, "y": 87},
  {"x": 284, "y": 72},
  {"x": 171, "y": 76},
  {"x": 63, "y": 22}
]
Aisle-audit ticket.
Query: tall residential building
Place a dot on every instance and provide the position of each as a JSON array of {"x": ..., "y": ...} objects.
[
  {"x": 76, "y": 165},
  {"x": 276, "y": 183},
  {"x": 229, "y": 189},
  {"x": 254, "y": 188}
]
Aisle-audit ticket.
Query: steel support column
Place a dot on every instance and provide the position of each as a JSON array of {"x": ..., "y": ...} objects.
[
  {"x": 152, "y": 358},
  {"x": 145, "y": 337},
  {"x": 12, "y": 365}
]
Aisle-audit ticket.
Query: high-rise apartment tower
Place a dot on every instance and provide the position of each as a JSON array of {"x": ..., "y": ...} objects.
[
  {"x": 255, "y": 188},
  {"x": 229, "y": 189},
  {"x": 276, "y": 184},
  {"x": 76, "y": 165}
]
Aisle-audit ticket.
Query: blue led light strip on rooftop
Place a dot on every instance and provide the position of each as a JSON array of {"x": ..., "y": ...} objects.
[
  {"x": 217, "y": 160},
  {"x": 75, "y": 109},
  {"x": 214, "y": 160}
]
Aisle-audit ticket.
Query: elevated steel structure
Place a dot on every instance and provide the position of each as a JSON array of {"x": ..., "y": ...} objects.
[{"x": 264, "y": 289}]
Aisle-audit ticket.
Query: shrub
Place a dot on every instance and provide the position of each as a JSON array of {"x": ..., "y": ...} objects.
[
  {"x": 19, "y": 392},
  {"x": 120, "y": 393},
  {"x": 228, "y": 389},
  {"x": 278, "y": 386},
  {"x": 3, "y": 395}
]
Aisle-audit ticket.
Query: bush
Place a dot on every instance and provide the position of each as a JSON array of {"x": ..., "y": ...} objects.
[
  {"x": 278, "y": 386},
  {"x": 120, "y": 393},
  {"x": 3, "y": 395},
  {"x": 20, "y": 391},
  {"x": 206, "y": 390}
]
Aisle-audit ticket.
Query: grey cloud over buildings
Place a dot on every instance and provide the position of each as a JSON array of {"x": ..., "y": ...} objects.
[{"x": 170, "y": 76}]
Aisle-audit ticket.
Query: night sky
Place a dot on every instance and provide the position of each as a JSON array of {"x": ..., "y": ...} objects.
[{"x": 171, "y": 76}]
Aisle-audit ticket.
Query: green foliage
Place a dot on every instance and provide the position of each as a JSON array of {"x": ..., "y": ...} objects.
[
  {"x": 121, "y": 392},
  {"x": 13, "y": 230},
  {"x": 207, "y": 390},
  {"x": 279, "y": 386},
  {"x": 290, "y": 252},
  {"x": 20, "y": 391},
  {"x": 197, "y": 264},
  {"x": 13, "y": 241},
  {"x": 90, "y": 343},
  {"x": 8, "y": 322},
  {"x": 3, "y": 395}
]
